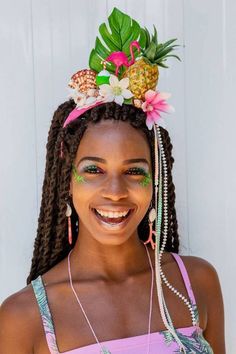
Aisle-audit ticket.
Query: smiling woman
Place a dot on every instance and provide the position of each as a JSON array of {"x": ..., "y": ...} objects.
[
  {"x": 113, "y": 181},
  {"x": 107, "y": 233}
]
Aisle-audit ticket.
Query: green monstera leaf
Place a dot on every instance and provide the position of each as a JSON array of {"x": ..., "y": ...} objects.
[{"x": 123, "y": 30}]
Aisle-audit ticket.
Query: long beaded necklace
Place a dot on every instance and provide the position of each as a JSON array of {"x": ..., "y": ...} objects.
[{"x": 104, "y": 350}]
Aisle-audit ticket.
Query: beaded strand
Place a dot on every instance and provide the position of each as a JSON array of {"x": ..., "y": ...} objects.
[
  {"x": 158, "y": 207},
  {"x": 165, "y": 231}
]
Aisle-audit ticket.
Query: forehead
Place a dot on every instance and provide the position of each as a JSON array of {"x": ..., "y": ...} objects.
[{"x": 113, "y": 139}]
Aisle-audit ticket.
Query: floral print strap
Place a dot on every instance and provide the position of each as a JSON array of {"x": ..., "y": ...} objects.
[
  {"x": 45, "y": 313},
  {"x": 187, "y": 283}
]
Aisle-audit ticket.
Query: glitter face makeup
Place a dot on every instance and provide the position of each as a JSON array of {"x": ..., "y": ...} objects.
[
  {"x": 78, "y": 178},
  {"x": 146, "y": 181},
  {"x": 141, "y": 171},
  {"x": 133, "y": 171}
]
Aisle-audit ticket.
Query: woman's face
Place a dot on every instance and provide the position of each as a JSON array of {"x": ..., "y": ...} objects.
[{"x": 113, "y": 158}]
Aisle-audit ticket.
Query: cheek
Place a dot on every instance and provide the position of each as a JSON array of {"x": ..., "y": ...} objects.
[
  {"x": 142, "y": 195},
  {"x": 83, "y": 194}
]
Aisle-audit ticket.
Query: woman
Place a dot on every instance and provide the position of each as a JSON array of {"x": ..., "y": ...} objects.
[{"x": 98, "y": 267}]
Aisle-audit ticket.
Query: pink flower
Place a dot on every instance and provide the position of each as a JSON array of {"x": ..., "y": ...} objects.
[{"x": 155, "y": 102}]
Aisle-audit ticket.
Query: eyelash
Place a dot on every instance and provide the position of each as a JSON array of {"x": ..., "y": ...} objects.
[{"x": 136, "y": 171}]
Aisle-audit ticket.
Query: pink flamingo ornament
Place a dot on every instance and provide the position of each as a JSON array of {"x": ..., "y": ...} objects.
[{"x": 120, "y": 58}]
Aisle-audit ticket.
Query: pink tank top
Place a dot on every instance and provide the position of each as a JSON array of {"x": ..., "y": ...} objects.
[{"x": 160, "y": 342}]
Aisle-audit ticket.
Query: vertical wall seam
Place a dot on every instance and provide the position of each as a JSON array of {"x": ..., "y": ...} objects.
[
  {"x": 224, "y": 34},
  {"x": 51, "y": 50},
  {"x": 185, "y": 128},
  {"x": 70, "y": 32},
  {"x": 106, "y": 8},
  {"x": 34, "y": 103}
]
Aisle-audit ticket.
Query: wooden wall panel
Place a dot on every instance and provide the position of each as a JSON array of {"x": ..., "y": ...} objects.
[
  {"x": 44, "y": 42},
  {"x": 18, "y": 187}
]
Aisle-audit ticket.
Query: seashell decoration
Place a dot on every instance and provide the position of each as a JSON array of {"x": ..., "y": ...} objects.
[
  {"x": 152, "y": 215},
  {"x": 68, "y": 210},
  {"x": 83, "y": 80},
  {"x": 138, "y": 103}
]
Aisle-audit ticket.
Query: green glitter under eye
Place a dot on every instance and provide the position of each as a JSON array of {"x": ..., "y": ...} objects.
[
  {"x": 147, "y": 179},
  {"x": 78, "y": 178},
  {"x": 138, "y": 171}
]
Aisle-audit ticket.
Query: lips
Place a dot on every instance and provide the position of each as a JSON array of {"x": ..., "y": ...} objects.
[
  {"x": 112, "y": 217},
  {"x": 112, "y": 220}
]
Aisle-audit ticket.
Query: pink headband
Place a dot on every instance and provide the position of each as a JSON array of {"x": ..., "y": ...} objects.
[{"x": 77, "y": 112}]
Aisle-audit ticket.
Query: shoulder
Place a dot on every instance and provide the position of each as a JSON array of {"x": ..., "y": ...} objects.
[
  {"x": 200, "y": 271},
  {"x": 202, "y": 274},
  {"x": 206, "y": 284},
  {"x": 196, "y": 266},
  {"x": 205, "y": 281},
  {"x": 17, "y": 320},
  {"x": 19, "y": 303}
]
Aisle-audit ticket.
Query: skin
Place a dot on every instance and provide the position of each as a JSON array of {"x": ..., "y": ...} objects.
[{"x": 110, "y": 268}]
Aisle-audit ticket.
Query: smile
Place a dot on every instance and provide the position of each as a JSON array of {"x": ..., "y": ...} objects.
[{"x": 112, "y": 218}]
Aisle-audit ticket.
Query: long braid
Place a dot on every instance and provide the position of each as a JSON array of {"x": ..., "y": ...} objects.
[
  {"x": 44, "y": 238},
  {"x": 51, "y": 243},
  {"x": 172, "y": 244}
]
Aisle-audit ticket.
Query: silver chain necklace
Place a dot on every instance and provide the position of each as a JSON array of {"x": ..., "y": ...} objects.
[{"x": 104, "y": 350}]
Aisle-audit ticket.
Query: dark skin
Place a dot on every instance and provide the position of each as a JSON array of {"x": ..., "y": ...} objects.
[{"x": 110, "y": 268}]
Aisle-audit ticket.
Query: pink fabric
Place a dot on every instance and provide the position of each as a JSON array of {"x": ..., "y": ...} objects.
[
  {"x": 137, "y": 344},
  {"x": 160, "y": 342},
  {"x": 77, "y": 112},
  {"x": 185, "y": 277}
]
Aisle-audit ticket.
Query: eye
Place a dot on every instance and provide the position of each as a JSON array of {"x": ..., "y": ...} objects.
[
  {"x": 93, "y": 169},
  {"x": 137, "y": 171}
]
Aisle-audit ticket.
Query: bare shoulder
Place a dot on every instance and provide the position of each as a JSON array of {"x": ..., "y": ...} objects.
[
  {"x": 201, "y": 271},
  {"x": 205, "y": 281},
  {"x": 197, "y": 267},
  {"x": 17, "y": 320}
]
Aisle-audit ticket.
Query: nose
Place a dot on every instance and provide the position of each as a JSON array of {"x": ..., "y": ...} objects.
[{"x": 115, "y": 189}]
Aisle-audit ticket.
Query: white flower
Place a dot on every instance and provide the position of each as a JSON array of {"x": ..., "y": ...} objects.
[
  {"x": 83, "y": 99},
  {"x": 91, "y": 92},
  {"x": 117, "y": 90}
]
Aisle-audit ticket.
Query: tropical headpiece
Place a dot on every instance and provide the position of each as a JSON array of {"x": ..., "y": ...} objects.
[{"x": 124, "y": 68}]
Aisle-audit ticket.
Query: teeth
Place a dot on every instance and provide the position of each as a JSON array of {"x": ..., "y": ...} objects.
[{"x": 112, "y": 214}]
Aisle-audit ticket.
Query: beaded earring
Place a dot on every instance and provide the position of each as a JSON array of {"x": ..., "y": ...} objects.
[
  {"x": 151, "y": 219},
  {"x": 68, "y": 215}
]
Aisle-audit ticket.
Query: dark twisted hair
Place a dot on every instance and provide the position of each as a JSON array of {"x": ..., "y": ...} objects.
[{"x": 51, "y": 244}]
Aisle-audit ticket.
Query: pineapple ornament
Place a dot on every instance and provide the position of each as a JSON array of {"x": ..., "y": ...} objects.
[{"x": 144, "y": 73}]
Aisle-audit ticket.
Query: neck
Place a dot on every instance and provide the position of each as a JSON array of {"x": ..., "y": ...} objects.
[{"x": 93, "y": 260}]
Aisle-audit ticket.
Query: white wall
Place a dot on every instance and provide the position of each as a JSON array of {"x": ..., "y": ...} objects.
[{"x": 42, "y": 43}]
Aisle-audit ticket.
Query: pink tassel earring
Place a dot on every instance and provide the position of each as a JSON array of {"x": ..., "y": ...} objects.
[
  {"x": 151, "y": 218},
  {"x": 68, "y": 215}
]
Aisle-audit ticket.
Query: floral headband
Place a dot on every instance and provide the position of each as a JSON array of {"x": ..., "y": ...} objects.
[{"x": 123, "y": 69}]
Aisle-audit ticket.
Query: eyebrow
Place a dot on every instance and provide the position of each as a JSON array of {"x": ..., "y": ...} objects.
[{"x": 99, "y": 159}]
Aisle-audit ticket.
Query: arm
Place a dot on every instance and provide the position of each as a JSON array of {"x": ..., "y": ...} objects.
[
  {"x": 15, "y": 326},
  {"x": 214, "y": 332}
]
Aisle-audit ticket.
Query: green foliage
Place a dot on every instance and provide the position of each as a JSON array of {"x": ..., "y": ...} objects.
[
  {"x": 123, "y": 30},
  {"x": 117, "y": 35},
  {"x": 157, "y": 53}
]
